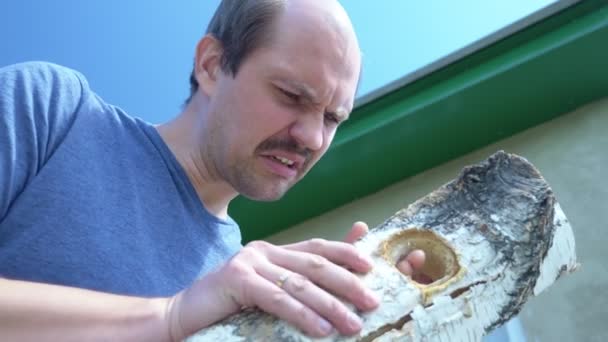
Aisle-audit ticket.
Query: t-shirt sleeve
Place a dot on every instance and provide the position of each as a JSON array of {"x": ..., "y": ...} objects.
[{"x": 38, "y": 103}]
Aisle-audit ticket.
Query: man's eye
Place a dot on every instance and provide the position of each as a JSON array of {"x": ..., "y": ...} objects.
[
  {"x": 291, "y": 96},
  {"x": 332, "y": 118}
]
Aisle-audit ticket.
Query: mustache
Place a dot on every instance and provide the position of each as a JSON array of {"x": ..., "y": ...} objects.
[{"x": 288, "y": 145}]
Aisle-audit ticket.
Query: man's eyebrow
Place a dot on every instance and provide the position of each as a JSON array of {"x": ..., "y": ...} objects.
[
  {"x": 310, "y": 95},
  {"x": 303, "y": 90}
]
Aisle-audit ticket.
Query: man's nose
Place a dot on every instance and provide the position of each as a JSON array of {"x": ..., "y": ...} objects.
[{"x": 308, "y": 131}]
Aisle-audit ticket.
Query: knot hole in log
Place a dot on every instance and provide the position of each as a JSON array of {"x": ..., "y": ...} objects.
[{"x": 441, "y": 266}]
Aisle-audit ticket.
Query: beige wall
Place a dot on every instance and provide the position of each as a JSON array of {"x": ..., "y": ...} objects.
[{"x": 572, "y": 154}]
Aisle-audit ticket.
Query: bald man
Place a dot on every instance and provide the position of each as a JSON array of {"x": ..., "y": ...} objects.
[{"x": 115, "y": 229}]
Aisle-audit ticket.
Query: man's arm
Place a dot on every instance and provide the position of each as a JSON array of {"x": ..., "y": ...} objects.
[
  {"x": 35, "y": 311},
  {"x": 252, "y": 278},
  {"x": 317, "y": 272},
  {"x": 38, "y": 102},
  {"x": 43, "y": 312}
]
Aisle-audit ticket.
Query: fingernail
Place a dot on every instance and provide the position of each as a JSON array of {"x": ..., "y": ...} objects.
[
  {"x": 354, "y": 322},
  {"x": 366, "y": 261},
  {"x": 325, "y": 326},
  {"x": 371, "y": 301}
]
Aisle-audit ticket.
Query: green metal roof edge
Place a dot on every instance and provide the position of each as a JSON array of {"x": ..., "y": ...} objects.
[{"x": 539, "y": 73}]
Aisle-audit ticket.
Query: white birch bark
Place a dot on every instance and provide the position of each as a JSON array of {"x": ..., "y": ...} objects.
[{"x": 494, "y": 237}]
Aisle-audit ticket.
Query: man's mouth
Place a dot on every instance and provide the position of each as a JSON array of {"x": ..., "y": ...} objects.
[
  {"x": 282, "y": 165},
  {"x": 287, "y": 162}
]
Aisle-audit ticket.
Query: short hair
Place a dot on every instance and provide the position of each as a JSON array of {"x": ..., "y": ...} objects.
[{"x": 241, "y": 26}]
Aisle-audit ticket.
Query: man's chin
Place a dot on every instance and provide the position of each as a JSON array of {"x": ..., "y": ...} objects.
[
  {"x": 264, "y": 198},
  {"x": 266, "y": 194}
]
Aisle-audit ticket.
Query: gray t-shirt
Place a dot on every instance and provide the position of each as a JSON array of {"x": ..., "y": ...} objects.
[{"x": 91, "y": 197}]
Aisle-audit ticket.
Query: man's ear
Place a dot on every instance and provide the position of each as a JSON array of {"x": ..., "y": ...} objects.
[{"x": 207, "y": 64}]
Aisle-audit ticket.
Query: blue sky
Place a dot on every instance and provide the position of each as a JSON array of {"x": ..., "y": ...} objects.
[
  {"x": 137, "y": 54},
  {"x": 401, "y": 36}
]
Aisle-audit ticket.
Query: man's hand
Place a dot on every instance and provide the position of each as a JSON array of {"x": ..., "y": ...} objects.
[
  {"x": 298, "y": 283},
  {"x": 410, "y": 264}
]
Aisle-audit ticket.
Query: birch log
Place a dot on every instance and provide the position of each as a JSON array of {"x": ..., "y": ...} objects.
[{"x": 493, "y": 237}]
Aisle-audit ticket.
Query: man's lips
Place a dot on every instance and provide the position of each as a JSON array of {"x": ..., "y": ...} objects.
[
  {"x": 290, "y": 159},
  {"x": 283, "y": 163},
  {"x": 279, "y": 168}
]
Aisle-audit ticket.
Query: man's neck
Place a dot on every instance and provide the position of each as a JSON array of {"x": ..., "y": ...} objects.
[{"x": 181, "y": 138}]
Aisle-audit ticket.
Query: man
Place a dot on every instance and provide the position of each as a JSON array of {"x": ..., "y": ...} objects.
[{"x": 114, "y": 229}]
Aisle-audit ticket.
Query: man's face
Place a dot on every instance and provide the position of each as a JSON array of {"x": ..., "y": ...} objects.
[{"x": 272, "y": 121}]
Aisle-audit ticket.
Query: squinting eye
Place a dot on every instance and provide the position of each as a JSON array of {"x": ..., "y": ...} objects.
[
  {"x": 332, "y": 118},
  {"x": 290, "y": 95}
]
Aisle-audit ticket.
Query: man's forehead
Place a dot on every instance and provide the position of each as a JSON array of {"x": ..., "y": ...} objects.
[{"x": 324, "y": 58}]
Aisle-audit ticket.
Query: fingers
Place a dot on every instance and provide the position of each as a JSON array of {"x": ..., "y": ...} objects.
[
  {"x": 340, "y": 253},
  {"x": 412, "y": 265},
  {"x": 330, "y": 311},
  {"x": 274, "y": 300},
  {"x": 416, "y": 258},
  {"x": 358, "y": 230},
  {"x": 308, "y": 297},
  {"x": 413, "y": 261},
  {"x": 327, "y": 275},
  {"x": 247, "y": 281}
]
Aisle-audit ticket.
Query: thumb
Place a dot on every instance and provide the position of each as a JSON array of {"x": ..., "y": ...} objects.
[
  {"x": 358, "y": 230},
  {"x": 412, "y": 262}
]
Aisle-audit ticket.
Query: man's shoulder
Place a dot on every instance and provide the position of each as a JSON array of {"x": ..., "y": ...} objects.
[
  {"x": 38, "y": 68},
  {"x": 39, "y": 103},
  {"x": 38, "y": 76}
]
